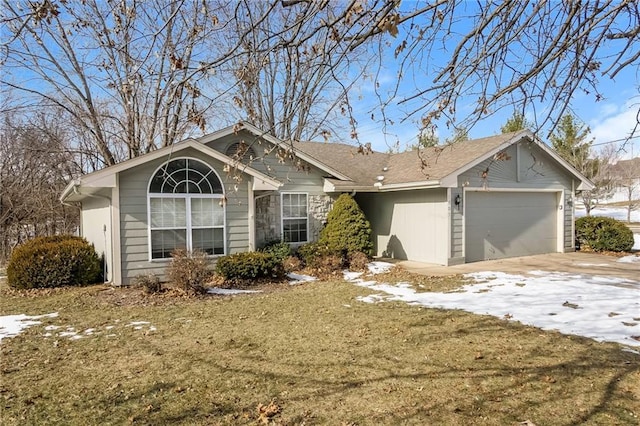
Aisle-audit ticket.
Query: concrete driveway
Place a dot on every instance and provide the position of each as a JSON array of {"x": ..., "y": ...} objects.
[{"x": 577, "y": 262}]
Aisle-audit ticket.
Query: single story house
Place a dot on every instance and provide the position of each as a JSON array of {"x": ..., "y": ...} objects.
[{"x": 238, "y": 188}]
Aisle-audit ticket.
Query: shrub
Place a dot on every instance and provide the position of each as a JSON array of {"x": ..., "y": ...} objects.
[
  {"x": 603, "y": 234},
  {"x": 278, "y": 249},
  {"x": 150, "y": 283},
  {"x": 56, "y": 261},
  {"x": 347, "y": 230},
  {"x": 189, "y": 271},
  {"x": 249, "y": 266}
]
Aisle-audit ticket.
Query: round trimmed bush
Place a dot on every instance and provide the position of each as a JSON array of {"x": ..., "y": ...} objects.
[
  {"x": 603, "y": 234},
  {"x": 46, "y": 262},
  {"x": 347, "y": 230}
]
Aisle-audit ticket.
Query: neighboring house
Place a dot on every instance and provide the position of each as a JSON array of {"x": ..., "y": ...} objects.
[{"x": 238, "y": 188}]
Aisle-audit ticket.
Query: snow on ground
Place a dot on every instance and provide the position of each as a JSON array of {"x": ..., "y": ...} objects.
[
  {"x": 299, "y": 278},
  {"x": 636, "y": 242},
  {"x": 379, "y": 267},
  {"x": 602, "y": 308},
  {"x": 629, "y": 259},
  {"x": 12, "y": 325},
  {"x": 229, "y": 291}
]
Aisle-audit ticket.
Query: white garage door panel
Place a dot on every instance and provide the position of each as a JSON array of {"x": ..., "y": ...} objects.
[
  {"x": 418, "y": 231},
  {"x": 509, "y": 224}
]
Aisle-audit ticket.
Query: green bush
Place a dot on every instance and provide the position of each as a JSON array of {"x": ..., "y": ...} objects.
[
  {"x": 46, "y": 262},
  {"x": 278, "y": 249},
  {"x": 347, "y": 230},
  {"x": 603, "y": 234},
  {"x": 249, "y": 266},
  {"x": 189, "y": 271}
]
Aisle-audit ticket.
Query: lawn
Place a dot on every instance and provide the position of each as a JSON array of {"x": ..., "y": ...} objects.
[{"x": 307, "y": 354}]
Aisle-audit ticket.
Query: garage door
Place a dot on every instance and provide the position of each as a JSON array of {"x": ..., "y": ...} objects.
[{"x": 509, "y": 224}]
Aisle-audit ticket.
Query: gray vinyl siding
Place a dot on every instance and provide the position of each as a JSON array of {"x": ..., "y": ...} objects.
[
  {"x": 537, "y": 170},
  {"x": 457, "y": 223},
  {"x": 134, "y": 231},
  {"x": 295, "y": 175}
]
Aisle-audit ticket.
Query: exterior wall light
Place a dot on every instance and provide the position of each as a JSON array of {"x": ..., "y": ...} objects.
[{"x": 457, "y": 201}]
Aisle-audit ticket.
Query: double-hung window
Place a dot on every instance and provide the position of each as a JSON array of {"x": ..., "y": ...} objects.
[
  {"x": 295, "y": 220},
  {"x": 186, "y": 209}
]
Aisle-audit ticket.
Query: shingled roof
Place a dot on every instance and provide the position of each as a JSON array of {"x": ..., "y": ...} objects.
[{"x": 424, "y": 165}]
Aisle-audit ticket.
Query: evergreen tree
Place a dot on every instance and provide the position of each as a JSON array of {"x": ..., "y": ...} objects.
[
  {"x": 460, "y": 134},
  {"x": 515, "y": 122},
  {"x": 570, "y": 141},
  {"x": 347, "y": 228}
]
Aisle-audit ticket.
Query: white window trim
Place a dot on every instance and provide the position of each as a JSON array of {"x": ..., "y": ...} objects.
[
  {"x": 187, "y": 198},
  {"x": 282, "y": 218}
]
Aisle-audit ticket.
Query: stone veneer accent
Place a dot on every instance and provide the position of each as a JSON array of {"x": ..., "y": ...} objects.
[
  {"x": 268, "y": 217},
  {"x": 319, "y": 207}
]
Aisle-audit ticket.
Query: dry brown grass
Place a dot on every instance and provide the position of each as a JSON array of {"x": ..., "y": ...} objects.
[{"x": 309, "y": 354}]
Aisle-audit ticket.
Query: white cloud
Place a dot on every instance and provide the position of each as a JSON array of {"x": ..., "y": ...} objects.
[{"x": 615, "y": 123}]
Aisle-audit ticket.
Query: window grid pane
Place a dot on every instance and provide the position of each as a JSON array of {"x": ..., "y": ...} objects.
[
  {"x": 184, "y": 176},
  {"x": 294, "y": 218},
  {"x": 209, "y": 240},
  {"x": 170, "y": 229},
  {"x": 168, "y": 212},
  {"x": 163, "y": 242},
  {"x": 294, "y": 230}
]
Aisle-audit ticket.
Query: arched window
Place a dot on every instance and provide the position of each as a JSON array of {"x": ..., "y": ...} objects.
[{"x": 186, "y": 209}]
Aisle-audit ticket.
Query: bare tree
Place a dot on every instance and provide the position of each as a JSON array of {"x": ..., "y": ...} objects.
[
  {"x": 627, "y": 177},
  {"x": 295, "y": 85},
  {"x": 154, "y": 70},
  {"x": 126, "y": 73},
  {"x": 35, "y": 166},
  {"x": 515, "y": 54}
]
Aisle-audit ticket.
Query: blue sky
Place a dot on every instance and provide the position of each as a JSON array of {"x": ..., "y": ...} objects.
[{"x": 609, "y": 119}]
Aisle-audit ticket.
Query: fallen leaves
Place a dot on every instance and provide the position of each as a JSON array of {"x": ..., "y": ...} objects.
[{"x": 266, "y": 412}]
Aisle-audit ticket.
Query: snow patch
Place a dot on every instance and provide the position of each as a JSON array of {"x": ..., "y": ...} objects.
[
  {"x": 629, "y": 259},
  {"x": 570, "y": 303},
  {"x": 13, "y": 325},
  {"x": 299, "y": 278},
  {"x": 379, "y": 267}
]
